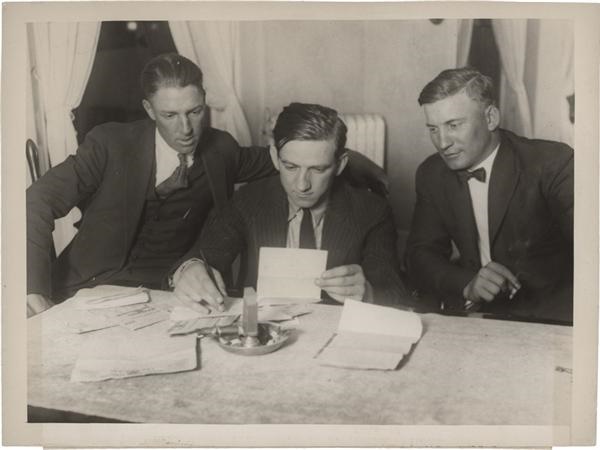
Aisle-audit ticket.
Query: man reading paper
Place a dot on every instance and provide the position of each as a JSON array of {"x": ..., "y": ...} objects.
[{"x": 306, "y": 206}]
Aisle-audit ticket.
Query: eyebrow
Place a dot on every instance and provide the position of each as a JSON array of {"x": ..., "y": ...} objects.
[
  {"x": 447, "y": 121},
  {"x": 285, "y": 161}
]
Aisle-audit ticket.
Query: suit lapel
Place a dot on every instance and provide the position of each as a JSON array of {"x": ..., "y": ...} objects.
[
  {"x": 503, "y": 181},
  {"x": 271, "y": 219},
  {"x": 137, "y": 177},
  {"x": 458, "y": 197},
  {"x": 339, "y": 227}
]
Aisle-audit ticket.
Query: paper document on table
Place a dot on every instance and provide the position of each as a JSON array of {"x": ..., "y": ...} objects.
[
  {"x": 119, "y": 353},
  {"x": 107, "y": 296},
  {"x": 233, "y": 307},
  {"x": 287, "y": 275},
  {"x": 371, "y": 337}
]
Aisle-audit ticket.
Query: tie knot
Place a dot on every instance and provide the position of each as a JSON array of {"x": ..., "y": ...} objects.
[
  {"x": 466, "y": 175},
  {"x": 182, "y": 158}
]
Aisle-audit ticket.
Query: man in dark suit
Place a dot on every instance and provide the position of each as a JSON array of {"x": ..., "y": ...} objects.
[
  {"x": 505, "y": 201},
  {"x": 306, "y": 206},
  {"x": 144, "y": 188}
]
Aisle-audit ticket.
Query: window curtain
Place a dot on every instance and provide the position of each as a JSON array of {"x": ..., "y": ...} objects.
[
  {"x": 511, "y": 37},
  {"x": 565, "y": 65},
  {"x": 214, "y": 46},
  {"x": 464, "y": 34},
  {"x": 62, "y": 56}
]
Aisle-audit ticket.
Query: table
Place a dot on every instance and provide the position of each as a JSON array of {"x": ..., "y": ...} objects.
[{"x": 462, "y": 371}]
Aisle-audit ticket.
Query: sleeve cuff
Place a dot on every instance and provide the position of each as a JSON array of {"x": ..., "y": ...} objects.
[{"x": 174, "y": 279}]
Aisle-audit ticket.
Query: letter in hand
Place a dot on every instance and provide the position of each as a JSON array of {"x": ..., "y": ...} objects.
[
  {"x": 37, "y": 303},
  {"x": 195, "y": 285},
  {"x": 490, "y": 281},
  {"x": 344, "y": 282}
]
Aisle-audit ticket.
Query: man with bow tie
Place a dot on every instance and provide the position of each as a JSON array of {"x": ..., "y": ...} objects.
[
  {"x": 144, "y": 189},
  {"x": 504, "y": 201}
]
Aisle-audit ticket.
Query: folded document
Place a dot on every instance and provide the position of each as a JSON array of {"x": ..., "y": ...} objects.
[
  {"x": 106, "y": 296},
  {"x": 371, "y": 337}
]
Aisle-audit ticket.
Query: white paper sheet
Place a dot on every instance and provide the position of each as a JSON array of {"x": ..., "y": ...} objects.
[
  {"x": 287, "y": 275},
  {"x": 119, "y": 353},
  {"x": 371, "y": 337}
]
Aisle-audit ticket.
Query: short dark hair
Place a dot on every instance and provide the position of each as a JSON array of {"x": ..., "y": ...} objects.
[
  {"x": 477, "y": 86},
  {"x": 170, "y": 70},
  {"x": 309, "y": 122}
]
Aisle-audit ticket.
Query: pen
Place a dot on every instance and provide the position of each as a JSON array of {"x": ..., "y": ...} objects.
[
  {"x": 187, "y": 213},
  {"x": 211, "y": 273}
]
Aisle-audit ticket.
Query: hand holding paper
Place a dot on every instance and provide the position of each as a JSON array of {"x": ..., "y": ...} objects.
[{"x": 344, "y": 282}]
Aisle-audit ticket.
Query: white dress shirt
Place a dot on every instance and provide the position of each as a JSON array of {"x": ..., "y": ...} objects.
[
  {"x": 295, "y": 220},
  {"x": 479, "y": 199},
  {"x": 167, "y": 159}
]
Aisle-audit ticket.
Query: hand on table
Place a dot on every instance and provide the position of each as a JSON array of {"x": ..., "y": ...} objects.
[
  {"x": 37, "y": 303},
  {"x": 491, "y": 280},
  {"x": 194, "y": 285},
  {"x": 345, "y": 282}
]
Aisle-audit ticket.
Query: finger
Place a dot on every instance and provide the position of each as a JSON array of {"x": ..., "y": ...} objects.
[
  {"x": 493, "y": 277},
  {"x": 341, "y": 271},
  {"x": 503, "y": 271},
  {"x": 488, "y": 290},
  {"x": 337, "y": 281},
  {"x": 345, "y": 290}
]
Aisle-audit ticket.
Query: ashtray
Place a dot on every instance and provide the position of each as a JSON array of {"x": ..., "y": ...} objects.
[{"x": 270, "y": 338}]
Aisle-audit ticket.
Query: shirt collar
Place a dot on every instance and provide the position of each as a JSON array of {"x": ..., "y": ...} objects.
[
  {"x": 487, "y": 163},
  {"x": 317, "y": 212},
  {"x": 164, "y": 152}
]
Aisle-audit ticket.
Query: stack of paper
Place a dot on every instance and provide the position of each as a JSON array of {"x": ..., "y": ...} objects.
[
  {"x": 287, "y": 275},
  {"x": 106, "y": 296},
  {"x": 371, "y": 337},
  {"x": 120, "y": 353}
]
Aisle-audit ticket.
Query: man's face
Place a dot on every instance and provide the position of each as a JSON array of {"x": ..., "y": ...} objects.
[
  {"x": 461, "y": 129},
  {"x": 307, "y": 170},
  {"x": 178, "y": 113}
]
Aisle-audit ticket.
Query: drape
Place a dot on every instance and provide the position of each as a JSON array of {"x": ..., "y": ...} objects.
[
  {"x": 511, "y": 37},
  {"x": 63, "y": 55},
  {"x": 463, "y": 45},
  {"x": 214, "y": 46},
  {"x": 567, "y": 88}
]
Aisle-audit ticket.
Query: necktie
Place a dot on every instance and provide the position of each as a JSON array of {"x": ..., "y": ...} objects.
[
  {"x": 177, "y": 180},
  {"x": 307, "y": 232},
  {"x": 478, "y": 174}
]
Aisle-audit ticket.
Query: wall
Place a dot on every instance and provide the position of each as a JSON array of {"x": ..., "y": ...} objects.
[{"x": 352, "y": 66}]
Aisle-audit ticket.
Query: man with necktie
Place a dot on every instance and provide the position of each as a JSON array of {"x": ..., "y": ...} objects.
[
  {"x": 504, "y": 201},
  {"x": 306, "y": 206},
  {"x": 144, "y": 188}
]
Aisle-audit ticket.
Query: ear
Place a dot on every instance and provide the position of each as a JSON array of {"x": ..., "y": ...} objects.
[
  {"x": 274, "y": 156},
  {"x": 342, "y": 161},
  {"x": 148, "y": 107},
  {"x": 492, "y": 117}
]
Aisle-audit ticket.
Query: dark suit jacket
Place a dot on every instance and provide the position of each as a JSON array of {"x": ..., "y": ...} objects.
[
  {"x": 109, "y": 177},
  {"x": 357, "y": 229},
  {"x": 530, "y": 222}
]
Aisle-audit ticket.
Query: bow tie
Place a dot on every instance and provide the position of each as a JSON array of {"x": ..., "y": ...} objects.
[{"x": 465, "y": 175}]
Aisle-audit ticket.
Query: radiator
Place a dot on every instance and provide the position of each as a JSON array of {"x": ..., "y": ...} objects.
[{"x": 366, "y": 134}]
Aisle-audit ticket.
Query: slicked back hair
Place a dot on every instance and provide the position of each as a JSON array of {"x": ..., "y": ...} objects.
[
  {"x": 309, "y": 122},
  {"x": 170, "y": 70},
  {"x": 477, "y": 86}
]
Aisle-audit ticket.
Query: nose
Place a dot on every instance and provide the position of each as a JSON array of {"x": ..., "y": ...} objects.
[
  {"x": 444, "y": 139},
  {"x": 303, "y": 181},
  {"x": 186, "y": 125}
]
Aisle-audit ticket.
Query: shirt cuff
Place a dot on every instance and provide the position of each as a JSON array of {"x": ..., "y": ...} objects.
[{"x": 174, "y": 279}]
